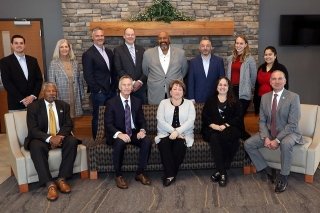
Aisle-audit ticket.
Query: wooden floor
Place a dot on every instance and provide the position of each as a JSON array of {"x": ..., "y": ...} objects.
[{"x": 82, "y": 125}]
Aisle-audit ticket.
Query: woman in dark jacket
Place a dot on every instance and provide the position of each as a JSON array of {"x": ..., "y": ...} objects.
[
  {"x": 263, "y": 76},
  {"x": 221, "y": 128}
]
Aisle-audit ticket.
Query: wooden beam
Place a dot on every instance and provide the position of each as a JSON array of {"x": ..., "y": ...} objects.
[{"x": 175, "y": 28}]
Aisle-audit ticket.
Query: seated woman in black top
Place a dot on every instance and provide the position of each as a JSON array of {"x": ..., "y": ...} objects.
[{"x": 221, "y": 127}]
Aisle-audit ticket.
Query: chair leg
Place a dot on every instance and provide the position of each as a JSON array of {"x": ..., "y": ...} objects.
[
  {"x": 84, "y": 174},
  {"x": 23, "y": 188},
  {"x": 94, "y": 175},
  {"x": 247, "y": 170},
  {"x": 253, "y": 169},
  {"x": 308, "y": 178}
]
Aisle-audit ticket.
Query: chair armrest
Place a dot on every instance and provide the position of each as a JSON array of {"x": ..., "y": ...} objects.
[{"x": 313, "y": 157}]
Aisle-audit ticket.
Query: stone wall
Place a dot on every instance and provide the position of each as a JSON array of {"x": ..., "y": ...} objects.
[{"x": 77, "y": 15}]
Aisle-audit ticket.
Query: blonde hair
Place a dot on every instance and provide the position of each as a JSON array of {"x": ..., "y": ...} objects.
[
  {"x": 246, "y": 51},
  {"x": 56, "y": 52}
]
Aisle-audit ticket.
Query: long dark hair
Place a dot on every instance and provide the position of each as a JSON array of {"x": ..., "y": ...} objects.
[
  {"x": 264, "y": 65},
  {"x": 231, "y": 98}
]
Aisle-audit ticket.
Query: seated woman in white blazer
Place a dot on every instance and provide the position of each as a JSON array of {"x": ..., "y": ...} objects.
[{"x": 175, "y": 117}]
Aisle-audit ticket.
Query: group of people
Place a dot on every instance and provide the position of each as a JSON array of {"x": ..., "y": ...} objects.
[{"x": 154, "y": 76}]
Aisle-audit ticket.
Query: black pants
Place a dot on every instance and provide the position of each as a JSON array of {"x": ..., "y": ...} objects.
[
  {"x": 224, "y": 146},
  {"x": 244, "y": 108},
  {"x": 118, "y": 151},
  {"x": 172, "y": 153},
  {"x": 39, "y": 151}
]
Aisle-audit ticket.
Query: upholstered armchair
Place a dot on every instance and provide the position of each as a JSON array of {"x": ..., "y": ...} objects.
[
  {"x": 306, "y": 157},
  {"x": 20, "y": 160}
]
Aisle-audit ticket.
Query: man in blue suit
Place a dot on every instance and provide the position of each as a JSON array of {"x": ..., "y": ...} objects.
[
  {"x": 98, "y": 72},
  {"x": 125, "y": 124},
  {"x": 204, "y": 71}
]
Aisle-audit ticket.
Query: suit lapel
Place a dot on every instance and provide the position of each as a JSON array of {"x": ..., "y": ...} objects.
[
  {"x": 99, "y": 56},
  {"x": 172, "y": 58},
  {"x": 200, "y": 63},
  {"x": 18, "y": 69},
  {"x": 126, "y": 50},
  {"x": 59, "y": 112},
  {"x": 44, "y": 115},
  {"x": 282, "y": 99}
]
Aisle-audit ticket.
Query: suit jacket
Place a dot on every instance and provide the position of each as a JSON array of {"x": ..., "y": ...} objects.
[
  {"x": 158, "y": 81},
  {"x": 124, "y": 64},
  {"x": 200, "y": 86},
  {"x": 96, "y": 72},
  {"x": 58, "y": 75},
  {"x": 37, "y": 121},
  {"x": 287, "y": 117},
  {"x": 16, "y": 84},
  {"x": 115, "y": 117}
]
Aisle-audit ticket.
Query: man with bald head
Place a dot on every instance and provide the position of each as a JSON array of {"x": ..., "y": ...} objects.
[
  {"x": 278, "y": 129},
  {"x": 128, "y": 61},
  {"x": 163, "y": 64}
]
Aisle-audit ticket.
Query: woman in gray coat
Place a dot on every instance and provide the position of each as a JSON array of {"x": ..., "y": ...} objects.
[
  {"x": 242, "y": 72},
  {"x": 64, "y": 72}
]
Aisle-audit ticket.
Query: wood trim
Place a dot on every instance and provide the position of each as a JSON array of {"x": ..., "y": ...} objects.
[
  {"x": 175, "y": 28},
  {"x": 308, "y": 178}
]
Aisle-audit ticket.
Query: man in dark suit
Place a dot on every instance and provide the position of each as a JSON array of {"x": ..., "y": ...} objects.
[
  {"x": 98, "y": 72},
  {"x": 21, "y": 76},
  {"x": 128, "y": 61},
  {"x": 204, "y": 71},
  {"x": 279, "y": 120},
  {"x": 49, "y": 127},
  {"x": 125, "y": 124}
]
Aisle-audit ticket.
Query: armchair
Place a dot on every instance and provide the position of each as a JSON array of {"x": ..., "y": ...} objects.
[{"x": 20, "y": 159}]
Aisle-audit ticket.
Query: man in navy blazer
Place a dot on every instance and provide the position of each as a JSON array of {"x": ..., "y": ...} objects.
[
  {"x": 21, "y": 76},
  {"x": 125, "y": 124},
  {"x": 128, "y": 61},
  {"x": 41, "y": 140},
  {"x": 98, "y": 72},
  {"x": 204, "y": 71}
]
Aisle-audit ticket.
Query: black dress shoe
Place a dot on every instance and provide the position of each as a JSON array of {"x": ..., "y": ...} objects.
[
  {"x": 223, "y": 180},
  {"x": 281, "y": 186},
  {"x": 215, "y": 177},
  {"x": 168, "y": 181}
]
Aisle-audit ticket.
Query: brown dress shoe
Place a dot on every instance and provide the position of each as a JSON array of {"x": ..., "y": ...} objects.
[
  {"x": 63, "y": 186},
  {"x": 121, "y": 182},
  {"x": 52, "y": 192},
  {"x": 143, "y": 179}
]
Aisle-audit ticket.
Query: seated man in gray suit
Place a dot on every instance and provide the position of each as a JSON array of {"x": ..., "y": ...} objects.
[
  {"x": 279, "y": 118},
  {"x": 163, "y": 64}
]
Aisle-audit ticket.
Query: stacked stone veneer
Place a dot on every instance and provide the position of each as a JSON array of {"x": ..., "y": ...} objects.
[{"x": 77, "y": 15}]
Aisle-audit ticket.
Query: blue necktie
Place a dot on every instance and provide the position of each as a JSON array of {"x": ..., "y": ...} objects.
[{"x": 127, "y": 116}]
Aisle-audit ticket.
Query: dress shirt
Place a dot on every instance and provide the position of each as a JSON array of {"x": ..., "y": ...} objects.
[
  {"x": 124, "y": 106},
  {"x": 206, "y": 63},
  {"x": 278, "y": 97},
  {"x": 56, "y": 118},
  {"x": 104, "y": 55},
  {"x": 23, "y": 64},
  {"x": 164, "y": 59}
]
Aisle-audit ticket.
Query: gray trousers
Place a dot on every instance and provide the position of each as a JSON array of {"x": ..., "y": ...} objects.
[{"x": 254, "y": 143}]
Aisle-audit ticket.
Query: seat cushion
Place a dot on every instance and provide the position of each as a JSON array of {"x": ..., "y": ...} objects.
[
  {"x": 299, "y": 156},
  {"x": 54, "y": 163}
]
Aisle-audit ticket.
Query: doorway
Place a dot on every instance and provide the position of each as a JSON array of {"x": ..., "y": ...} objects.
[{"x": 32, "y": 31}]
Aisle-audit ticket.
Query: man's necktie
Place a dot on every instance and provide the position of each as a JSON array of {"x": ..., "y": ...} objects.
[
  {"x": 273, "y": 116},
  {"x": 52, "y": 121},
  {"x": 127, "y": 116},
  {"x": 133, "y": 54}
]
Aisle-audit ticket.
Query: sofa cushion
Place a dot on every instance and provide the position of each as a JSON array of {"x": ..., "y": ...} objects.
[{"x": 20, "y": 120}]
